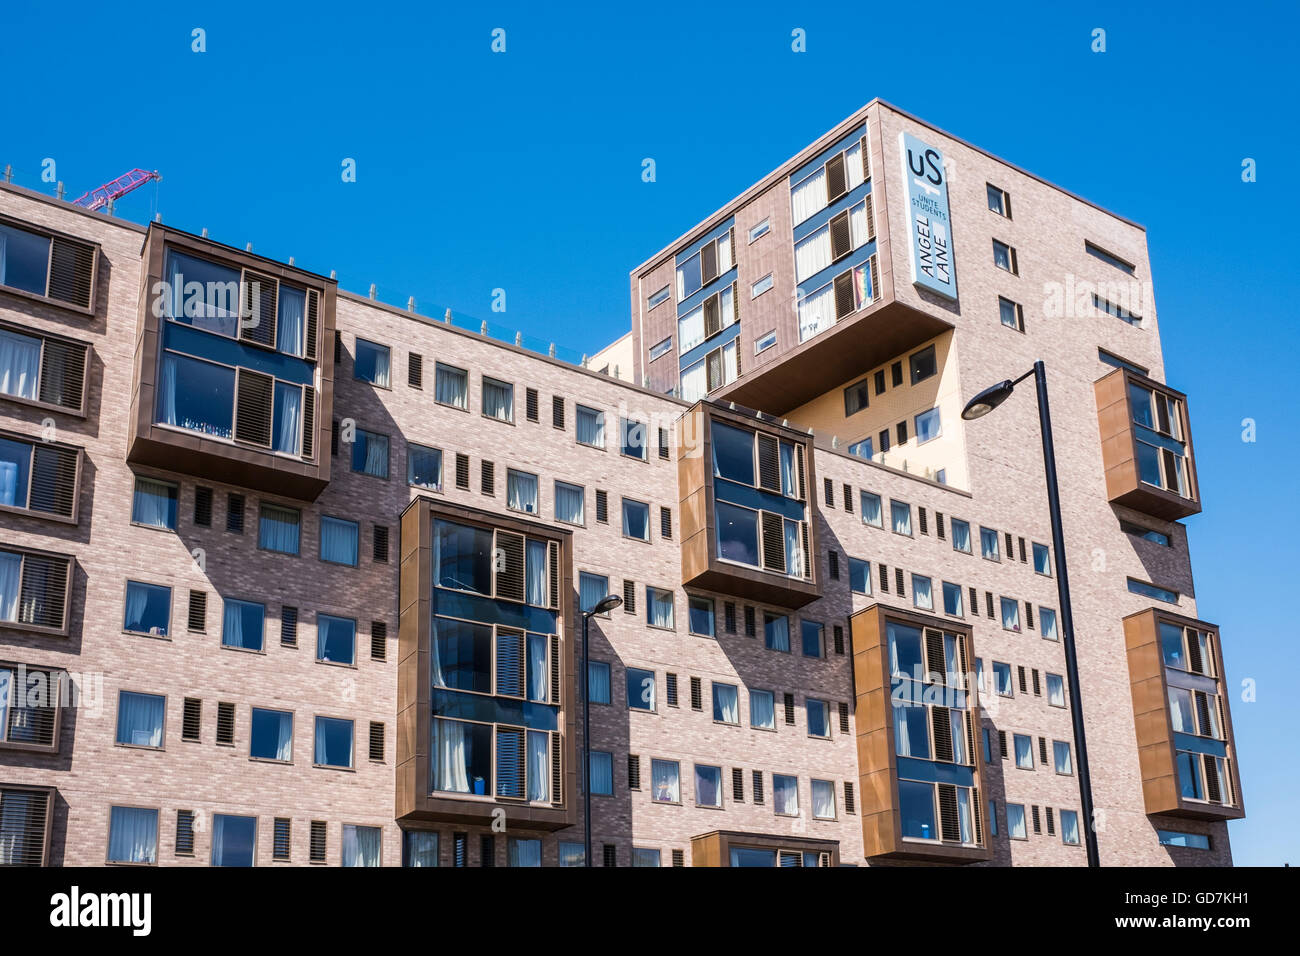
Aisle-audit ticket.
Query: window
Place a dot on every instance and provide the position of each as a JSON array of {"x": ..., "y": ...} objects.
[
  {"x": 148, "y": 606},
  {"x": 139, "y": 717},
  {"x": 761, "y": 286},
  {"x": 640, "y": 689},
  {"x": 1055, "y": 690},
  {"x": 762, "y": 710},
  {"x": 234, "y": 840},
  {"x": 42, "y": 477},
  {"x": 999, "y": 201},
  {"x": 451, "y": 386},
  {"x": 823, "y": 800},
  {"x": 636, "y": 520},
  {"x": 952, "y": 598},
  {"x": 153, "y": 505},
  {"x": 271, "y": 735},
  {"x": 928, "y": 426},
  {"x": 633, "y": 438},
  {"x": 859, "y": 576},
  {"x": 361, "y": 845},
  {"x": 1117, "y": 310},
  {"x": 464, "y": 762},
  {"x": 43, "y": 369},
  {"x": 498, "y": 400},
  {"x": 278, "y": 529},
  {"x": 708, "y": 786},
  {"x": 785, "y": 795},
  {"x": 701, "y": 615},
  {"x": 1152, "y": 591},
  {"x": 923, "y": 365},
  {"x": 659, "y": 608},
  {"x": 1024, "y": 750},
  {"x": 1061, "y": 756},
  {"x": 662, "y": 348},
  {"x": 1002, "y": 679},
  {"x": 1070, "y": 828},
  {"x": 1004, "y": 257},
  {"x": 1016, "y": 822},
  {"x": 855, "y": 400},
  {"x": 819, "y": 723},
  {"x": 132, "y": 831},
  {"x": 1047, "y": 621},
  {"x": 989, "y": 544},
  {"x": 900, "y": 517},
  {"x": 961, "y": 536},
  {"x": 665, "y": 784},
  {"x": 726, "y": 703},
  {"x": 592, "y": 588},
  {"x": 424, "y": 467},
  {"x": 922, "y": 592},
  {"x": 336, "y": 639},
  {"x": 572, "y": 854},
  {"x": 658, "y": 298},
  {"x": 370, "y": 454},
  {"x": 521, "y": 491},
  {"x": 765, "y": 341},
  {"x": 590, "y": 428},
  {"x": 1146, "y": 534},
  {"x": 1042, "y": 559},
  {"x": 333, "y": 742},
  {"x": 644, "y": 857},
  {"x": 811, "y": 639},
  {"x": 1107, "y": 257},
  {"x": 598, "y": 685},
  {"x": 372, "y": 363},
  {"x": 1191, "y": 841},
  {"x": 760, "y": 230},
  {"x": 1012, "y": 314},
  {"x": 338, "y": 540},
  {"x": 1010, "y": 614},
  {"x": 776, "y": 632},
  {"x": 601, "y": 777}
]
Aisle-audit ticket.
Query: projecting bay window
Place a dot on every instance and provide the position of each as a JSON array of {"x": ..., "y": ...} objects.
[
  {"x": 41, "y": 478},
  {"x": 822, "y": 185},
  {"x": 492, "y": 760},
  {"x": 703, "y": 266},
  {"x": 500, "y": 564},
  {"x": 42, "y": 369},
  {"x": 34, "y": 588},
  {"x": 48, "y": 266},
  {"x": 1161, "y": 449},
  {"x": 1146, "y": 445},
  {"x": 844, "y": 232}
]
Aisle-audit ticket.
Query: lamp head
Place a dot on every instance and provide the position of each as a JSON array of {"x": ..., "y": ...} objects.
[
  {"x": 607, "y": 603},
  {"x": 987, "y": 400}
]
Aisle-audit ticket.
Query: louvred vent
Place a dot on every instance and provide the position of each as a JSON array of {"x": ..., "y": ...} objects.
[
  {"x": 313, "y": 324},
  {"x": 836, "y": 179},
  {"x": 63, "y": 374},
  {"x": 773, "y": 541},
  {"x": 769, "y": 463},
  {"x": 253, "y": 392},
  {"x": 555, "y": 670},
  {"x": 557, "y": 768},
  {"x": 23, "y": 815},
  {"x": 510, "y": 662},
  {"x": 54, "y": 480},
  {"x": 43, "y": 593},
  {"x": 553, "y": 566},
  {"x": 509, "y": 561},
  {"x": 1194, "y": 658},
  {"x": 511, "y": 763},
  {"x": 309, "y": 422},
  {"x": 72, "y": 270},
  {"x": 948, "y": 820}
]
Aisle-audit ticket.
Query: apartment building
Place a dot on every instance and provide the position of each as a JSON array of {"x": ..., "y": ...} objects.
[{"x": 292, "y": 577}]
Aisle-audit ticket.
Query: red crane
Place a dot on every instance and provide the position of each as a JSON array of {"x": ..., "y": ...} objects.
[{"x": 110, "y": 191}]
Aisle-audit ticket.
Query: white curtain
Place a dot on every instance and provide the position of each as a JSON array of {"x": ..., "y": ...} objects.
[
  {"x": 133, "y": 835},
  {"x": 690, "y": 330},
  {"x": 498, "y": 401},
  {"x": 435, "y": 666},
  {"x": 871, "y": 509},
  {"x": 539, "y": 765},
  {"x": 726, "y": 704},
  {"x": 536, "y": 570},
  {"x": 664, "y": 781},
  {"x": 823, "y": 795},
  {"x": 449, "y": 752},
  {"x": 591, "y": 427},
  {"x": 140, "y": 720},
  {"x": 338, "y": 541},
  {"x": 376, "y": 455},
  {"x": 383, "y": 364},
  {"x": 789, "y": 477},
  {"x": 694, "y": 382},
  {"x": 762, "y": 709},
  {"x": 537, "y": 674},
  {"x": 853, "y": 166},
  {"x": 284, "y": 738},
  {"x": 730, "y": 367},
  {"x": 793, "y": 549},
  {"x": 808, "y": 197},
  {"x": 289, "y": 322},
  {"x": 661, "y": 608},
  {"x": 288, "y": 418},
  {"x": 601, "y": 775},
  {"x": 20, "y": 363},
  {"x": 568, "y": 500},
  {"x": 858, "y": 225},
  {"x": 957, "y": 730},
  {"x": 724, "y": 252},
  {"x": 963, "y": 814},
  {"x": 167, "y": 391},
  {"x": 152, "y": 504},
  {"x": 922, "y": 594},
  {"x": 961, "y": 537},
  {"x": 778, "y": 633},
  {"x": 727, "y": 307},
  {"x": 361, "y": 845},
  {"x": 812, "y": 255},
  {"x": 816, "y": 312},
  {"x": 786, "y": 793},
  {"x": 421, "y": 848},
  {"x": 451, "y": 387},
  {"x": 6, "y": 689},
  {"x": 1180, "y": 711},
  {"x": 591, "y": 588},
  {"x": 1048, "y": 617},
  {"x": 902, "y": 739},
  {"x": 521, "y": 492},
  {"x": 1070, "y": 827},
  {"x": 1010, "y": 614}
]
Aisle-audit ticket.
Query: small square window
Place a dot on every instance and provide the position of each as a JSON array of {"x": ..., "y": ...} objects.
[
  {"x": 598, "y": 682},
  {"x": 1042, "y": 559},
  {"x": 370, "y": 454},
  {"x": 148, "y": 609},
  {"x": 640, "y": 689},
  {"x": 961, "y": 535},
  {"x": 856, "y": 399},
  {"x": 139, "y": 719},
  {"x": 333, "y": 743},
  {"x": 338, "y": 540},
  {"x": 701, "y": 616},
  {"x": 765, "y": 341},
  {"x": 636, "y": 520},
  {"x": 424, "y": 467},
  {"x": 278, "y": 529},
  {"x": 928, "y": 426},
  {"x": 451, "y": 386},
  {"x": 999, "y": 201},
  {"x": 521, "y": 491},
  {"x": 1004, "y": 257},
  {"x": 900, "y": 517},
  {"x": 859, "y": 576},
  {"x": 1011, "y": 314},
  {"x": 590, "y": 428},
  {"x": 336, "y": 639},
  {"x": 154, "y": 503},
  {"x": 372, "y": 363},
  {"x": 498, "y": 400},
  {"x": 760, "y": 230},
  {"x": 923, "y": 365},
  {"x": 989, "y": 547},
  {"x": 633, "y": 438},
  {"x": 243, "y": 624}
]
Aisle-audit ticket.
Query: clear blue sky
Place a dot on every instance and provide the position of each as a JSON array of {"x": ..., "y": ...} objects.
[{"x": 521, "y": 171}]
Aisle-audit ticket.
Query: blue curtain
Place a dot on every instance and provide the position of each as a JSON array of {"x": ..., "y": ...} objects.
[
  {"x": 762, "y": 709},
  {"x": 591, "y": 588},
  {"x": 591, "y": 427},
  {"x": 361, "y": 845},
  {"x": 278, "y": 529},
  {"x": 598, "y": 682},
  {"x": 525, "y": 852},
  {"x": 154, "y": 503},
  {"x": 450, "y": 387},
  {"x": 338, "y": 541}
]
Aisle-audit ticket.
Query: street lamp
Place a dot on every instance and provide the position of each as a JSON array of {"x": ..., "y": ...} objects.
[
  {"x": 979, "y": 406},
  {"x": 607, "y": 603}
]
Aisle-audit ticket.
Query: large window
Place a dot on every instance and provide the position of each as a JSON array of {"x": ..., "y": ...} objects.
[
  {"x": 234, "y": 840},
  {"x": 24, "y": 260},
  {"x": 132, "y": 835},
  {"x": 372, "y": 363},
  {"x": 498, "y": 400},
  {"x": 462, "y": 655},
  {"x": 424, "y": 467},
  {"x": 521, "y": 491},
  {"x": 153, "y": 504},
  {"x": 665, "y": 782},
  {"x": 1161, "y": 446},
  {"x": 139, "y": 719},
  {"x": 762, "y": 709},
  {"x": 462, "y": 558},
  {"x": 370, "y": 454},
  {"x": 271, "y": 735},
  {"x": 333, "y": 742},
  {"x": 590, "y": 427},
  {"x": 243, "y": 625},
  {"x": 148, "y": 608},
  {"x": 339, "y": 540},
  {"x": 336, "y": 639},
  {"x": 640, "y": 689},
  {"x": 569, "y": 501},
  {"x": 206, "y": 403},
  {"x": 737, "y": 533},
  {"x": 278, "y": 529},
  {"x": 451, "y": 386}
]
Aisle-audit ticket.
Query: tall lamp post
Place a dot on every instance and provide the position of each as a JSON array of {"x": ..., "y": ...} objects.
[
  {"x": 978, "y": 407},
  {"x": 607, "y": 603}
]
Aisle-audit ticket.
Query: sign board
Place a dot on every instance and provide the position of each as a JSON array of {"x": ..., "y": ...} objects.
[{"x": 928, "y": 220}]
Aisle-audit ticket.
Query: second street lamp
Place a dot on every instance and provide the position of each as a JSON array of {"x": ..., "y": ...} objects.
[
  {"x": 979, "y": 406},
  {"x": 607, "y": 603}
]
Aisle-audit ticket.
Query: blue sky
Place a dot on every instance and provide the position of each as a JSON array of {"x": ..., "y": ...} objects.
[{"x": 522, "y": 171}]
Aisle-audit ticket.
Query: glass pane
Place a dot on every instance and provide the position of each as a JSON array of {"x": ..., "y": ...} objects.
[
  {"x": 462, "y": 558},
  {"x": 234, "y": 840},
  {"x": 336, "y": 639},
  {"x": 271, "y": 734},
  {"x": 916, "y": 807},
  {"x": 733, "y": 453},
  {"x": 372, "y": 363},
  {"x": 148, "y": 608},
  {"x": 197, "y": 396},
  {"x": 424, "y": 467},
  {"x": 338, "y": 541},
  {"x": 737, "y": 533},
  {"x": 24, "y": 260},
  {"x": 461, "y": 655}
]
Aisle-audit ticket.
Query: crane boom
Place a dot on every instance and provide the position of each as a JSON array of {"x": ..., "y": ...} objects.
[{"x": 116, "y": 189}]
